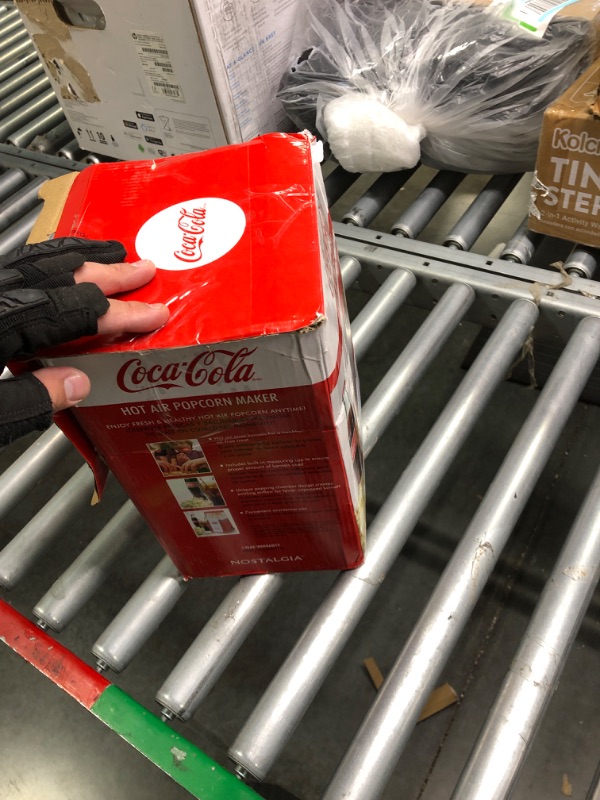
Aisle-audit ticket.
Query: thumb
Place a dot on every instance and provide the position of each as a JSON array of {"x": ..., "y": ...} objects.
[{"x": 65, "y": 385}]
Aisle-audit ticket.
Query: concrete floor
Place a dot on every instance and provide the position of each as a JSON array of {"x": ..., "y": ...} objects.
[{"x": 51, "y": 749}]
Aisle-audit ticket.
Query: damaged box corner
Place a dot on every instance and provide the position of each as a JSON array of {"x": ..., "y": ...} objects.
[
  {"x": 565, "y": 191},
  {"x": 54, "y": 193}
]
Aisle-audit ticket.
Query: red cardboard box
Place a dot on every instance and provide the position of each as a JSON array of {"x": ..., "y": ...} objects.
[{"x": 234, "y": 429}]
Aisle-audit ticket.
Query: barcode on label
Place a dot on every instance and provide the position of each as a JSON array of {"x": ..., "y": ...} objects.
[
  {"x": 170, "y": 89},
  {"x": 541, "y": 6},
  {"x": 156, "y": 51}
]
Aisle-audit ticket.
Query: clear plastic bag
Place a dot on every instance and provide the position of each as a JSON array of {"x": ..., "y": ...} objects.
[{"x": 389, "y": 82}]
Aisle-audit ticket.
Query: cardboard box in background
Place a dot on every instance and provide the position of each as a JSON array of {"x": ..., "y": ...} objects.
[
  {"x": 161, "y": 78},
  {"x": 565, "y": 195},
  {"x": 255, "y": 369}
]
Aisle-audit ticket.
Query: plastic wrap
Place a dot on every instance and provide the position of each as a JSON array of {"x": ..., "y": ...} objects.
[{"x": 387, "y": 83}]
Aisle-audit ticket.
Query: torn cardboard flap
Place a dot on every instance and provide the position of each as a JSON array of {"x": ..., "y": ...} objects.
[
  {"x": 54, "y": 194},
  {"x": 72, "y": 78},
  {"x": 52, "y": 38},
  {"x": 44, "y": 14}
]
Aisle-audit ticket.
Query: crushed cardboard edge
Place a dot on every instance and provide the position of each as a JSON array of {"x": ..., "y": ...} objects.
[
  {"x": 438, "y": 700},
  {"x": 54, "y": 194}
]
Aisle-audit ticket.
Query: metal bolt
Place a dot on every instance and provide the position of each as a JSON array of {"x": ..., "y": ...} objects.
[{"x": 241, "y": 772}]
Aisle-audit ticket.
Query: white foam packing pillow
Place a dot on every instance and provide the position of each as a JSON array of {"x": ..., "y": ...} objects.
[{"x": 367, "y": 136}]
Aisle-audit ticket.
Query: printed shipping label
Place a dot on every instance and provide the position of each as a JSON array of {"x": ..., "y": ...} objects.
[
  {"x": 156, "y": 64},
  {"x": 532, "y": 16}
]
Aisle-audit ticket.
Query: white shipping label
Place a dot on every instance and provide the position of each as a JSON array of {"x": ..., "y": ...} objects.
[
  {"x": 532, "y": 16},
  {"x": 156, "y": 64}
]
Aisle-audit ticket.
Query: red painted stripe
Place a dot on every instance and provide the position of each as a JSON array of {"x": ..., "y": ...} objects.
[{"x": 49, "y": 657}]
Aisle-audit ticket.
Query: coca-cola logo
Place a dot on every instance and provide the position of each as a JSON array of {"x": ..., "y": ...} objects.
[
  {"x": 191, "y": 233},
  {"x": 207, "y": 368},
  {"x": 191, "y": 224}
]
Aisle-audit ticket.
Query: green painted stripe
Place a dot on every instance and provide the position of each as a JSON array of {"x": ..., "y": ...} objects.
[{"x": 170, "y": 751}]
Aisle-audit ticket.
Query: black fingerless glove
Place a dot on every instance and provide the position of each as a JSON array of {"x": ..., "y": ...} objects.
[{"x": 41, "y": 306}]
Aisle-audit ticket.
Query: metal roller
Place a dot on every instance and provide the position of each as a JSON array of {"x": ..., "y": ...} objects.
[
  {"x": 72, "y": 151},
  {"x": 8, "y": 13},
  {"x": 140, "y": 617},
  {"x": 376, "y": 314},
  {"x": 522, "y": 245},
  {"x": 22, "y": 48},
  {"x": 399, "y": 381},
  {"x": 10, "y": 19},
  {"x": 27, "y": 113},
  {"x": 208, "y": 656},
  {"x": 10, "y": 181},
  {"x": 34, "y": 464},
  {"x": 502, "y": 745},
  {"x": 22, "y": 552},
  {"x": 17, "y": 233},
  {"x": 292, "y": 690},
  {"x": 22, "y": 201},
  {"x": 21, "y": 79},
  {"x": 12, "y": 35},
  {"x": 351, "y": 270},
  {"x": 23, "y": 95},
  {"x": 364, "y": 211},
  {"x": 206, "y": 659},
  {"x": 371, "y": 758},
  {"x": 51, "y": 141},
  {"x": 338, "y": 182},
  {"x": 91, "y": 158},
  {"x": 481, "y": 211},
  {"x": 67, "y": 596},
  {"x": 583, "y": 262},
  {"x": 17, "y": 65},
  {"x": 45, "y": 122},
  {"x": 422, "y": 210}
]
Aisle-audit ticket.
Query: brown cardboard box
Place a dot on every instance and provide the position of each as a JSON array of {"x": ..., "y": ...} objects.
[{"x": 565, "y": 195}]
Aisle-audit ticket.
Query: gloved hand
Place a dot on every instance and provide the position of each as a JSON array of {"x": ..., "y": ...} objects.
[{"x": 54, "y": 292}]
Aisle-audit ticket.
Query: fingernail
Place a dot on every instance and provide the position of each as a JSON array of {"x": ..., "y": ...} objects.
[
  {"x": 156, "y": 305},
  {"x": 143, "y": 262},
  {"x": 76, "y": 387}
]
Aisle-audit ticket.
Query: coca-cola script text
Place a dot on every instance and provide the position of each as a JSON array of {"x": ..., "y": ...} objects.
[
  {"x": 210, "y": 367},
  {"x": 191, "y": 226}
]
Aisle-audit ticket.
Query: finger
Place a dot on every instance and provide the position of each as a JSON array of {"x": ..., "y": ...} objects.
[
  {"x": 132, "y": 317},
  {"x": 116, "y": 278},
  {"x": 65, "y": 385}
]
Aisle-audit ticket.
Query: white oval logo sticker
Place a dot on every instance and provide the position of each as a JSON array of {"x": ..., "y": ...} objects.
[{"x": 191, "y": 234}]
